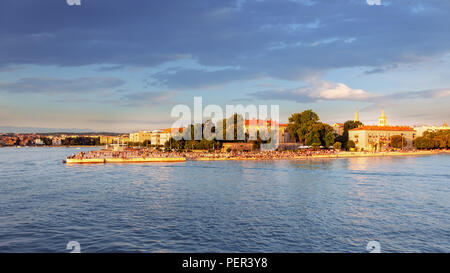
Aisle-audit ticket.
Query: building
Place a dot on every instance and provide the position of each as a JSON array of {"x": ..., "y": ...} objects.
[
  {"x": 56, "y": 141},
  {"x": 422, "y": 129},
  {"x": 356, "y": 116},
  {"x": 254, "y": 125},
  {"x": 338, "y": 128},
  {"x": 377, "y": 138},
  {"x": 160, "y": 137},
  {"x": 140, "y": 136},
  {"x": 382, "y": 120},
  {"x": 104, "y": 140}
]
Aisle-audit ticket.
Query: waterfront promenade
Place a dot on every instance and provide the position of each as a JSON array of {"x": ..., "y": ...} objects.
[{"x": 145, "y": 155}]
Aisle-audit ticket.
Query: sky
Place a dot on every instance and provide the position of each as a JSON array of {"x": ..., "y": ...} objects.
[{"x": 121, "y": 66}]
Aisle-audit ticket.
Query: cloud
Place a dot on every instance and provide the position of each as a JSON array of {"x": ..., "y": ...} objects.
[
  {"x": 319, "y": 90},
  {"x": 316, "y": 91},
  {"x": 182, "y": 78},
  {"x": 307, "y": 35},
  {"x": 54, "y": 86},
  {"x": 424, "y": 94},
  {"x": 148, "y": 98}
]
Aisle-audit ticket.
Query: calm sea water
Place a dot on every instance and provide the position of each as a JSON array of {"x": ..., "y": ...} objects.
[{"x": 281, "y": 206}]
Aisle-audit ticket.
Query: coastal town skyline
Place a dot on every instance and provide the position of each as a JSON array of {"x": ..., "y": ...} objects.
[
  {"x": 296, "y": 54},
  {"x": 28, "y": 130}
]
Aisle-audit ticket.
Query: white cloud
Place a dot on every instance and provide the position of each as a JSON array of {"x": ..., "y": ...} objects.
[
  {"x": 334, "y": 91},
  {"x": 318, "y": 90}
]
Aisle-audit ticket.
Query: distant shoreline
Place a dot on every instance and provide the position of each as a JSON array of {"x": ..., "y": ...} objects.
[{"x": 61, "y": 146}]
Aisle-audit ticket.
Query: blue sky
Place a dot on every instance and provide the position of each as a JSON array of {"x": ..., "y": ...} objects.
[{"x": 122, "y": 65}]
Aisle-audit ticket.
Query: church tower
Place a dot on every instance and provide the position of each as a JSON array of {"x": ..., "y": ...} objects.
[
  {"x": 382, "y": 121},
  {"x": 356, "y": 115}
]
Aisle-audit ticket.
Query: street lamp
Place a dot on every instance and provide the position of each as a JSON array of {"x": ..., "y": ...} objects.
[{"x": 402, "y": 140}]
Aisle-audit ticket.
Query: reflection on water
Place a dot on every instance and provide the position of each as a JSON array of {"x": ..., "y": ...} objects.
[{"x": 314, "y": 205}]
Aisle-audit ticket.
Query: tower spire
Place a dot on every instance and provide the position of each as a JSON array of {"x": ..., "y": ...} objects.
[
  {"x": 356, "y": 115},
  {"x": 382, "y": 121}
]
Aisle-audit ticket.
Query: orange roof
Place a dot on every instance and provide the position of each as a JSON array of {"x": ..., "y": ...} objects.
[
  {"x": 383, "y": 128},
  {"x": 169, "y": 130},
  {"x": 260, "y": 122}
]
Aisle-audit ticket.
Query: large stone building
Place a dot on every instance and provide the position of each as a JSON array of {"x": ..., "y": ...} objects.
[
  {"x": 140, "y": 136},
  {"x": 156, "y": 137},
  {"x": 377, "y": 138},
  {"x": 160, "y": 137}
]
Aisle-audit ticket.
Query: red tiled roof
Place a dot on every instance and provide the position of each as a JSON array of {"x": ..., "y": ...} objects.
[
  {"x": 260, "y": 122},
  {"x": 383, "y": 128},
  {"x": 169, "y": 130}
]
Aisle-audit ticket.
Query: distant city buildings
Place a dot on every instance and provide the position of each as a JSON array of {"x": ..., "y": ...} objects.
[
  {"x": 155, "y": 137},
  {"x": 56, "y": 141},
  {"x": 368, "y": 138},
  {"x": 422, "y": 129}
]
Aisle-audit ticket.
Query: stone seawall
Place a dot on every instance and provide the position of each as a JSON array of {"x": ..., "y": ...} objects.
[{"x": 121, "y": 160}]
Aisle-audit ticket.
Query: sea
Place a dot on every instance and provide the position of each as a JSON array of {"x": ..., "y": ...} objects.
[{"x": 285, "y": 206}]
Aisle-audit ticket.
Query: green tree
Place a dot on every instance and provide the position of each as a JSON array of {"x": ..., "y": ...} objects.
[
  {"x": 234, "y": 123},
  {"x": 432, "y": 140},
  {"x": 315, "y": 146},
  {"x": 351, "y": 144},
  {"x": 398, "y": 141},
  {"x": 306, "y": 128},
  {"x": 337, "y": 145},
  {"x": 146, "y": 143},
  {"x": 423, "y": 143},
  {"x": 300, "y": 124},
  {"x": 348, "y": 125}
]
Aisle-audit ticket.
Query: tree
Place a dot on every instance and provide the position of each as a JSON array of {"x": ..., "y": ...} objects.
[
  {"x": 337, "y": 145},
  {"x": 351, "y": 144},
  {"x": 432, "y": 140},
  {"x": 306, "y": 128},
  {"x": 315, "y": 146},
  {"x": 423, "y": 143},
  {"x": 146, "y": 143},
  {"x": 235, "y": 124},
  {"x": 398, "y": 141},
  {"x": 301, "y": 123},
  {"x": 348, "y": 125}
]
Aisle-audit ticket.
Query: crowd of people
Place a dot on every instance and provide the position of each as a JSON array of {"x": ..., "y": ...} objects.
[{"x": 131, "y": 153}]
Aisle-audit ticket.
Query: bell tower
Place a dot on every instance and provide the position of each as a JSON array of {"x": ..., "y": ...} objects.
[
  {"x": 382, "y": 120},
  {"x": 356, "y": 115}
]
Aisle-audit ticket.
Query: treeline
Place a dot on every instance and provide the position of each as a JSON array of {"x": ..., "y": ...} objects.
[
  {"x": 433, "y": 140},
  {"x": 81, "y": 141},
  {"x": 307, "y": 128}
]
